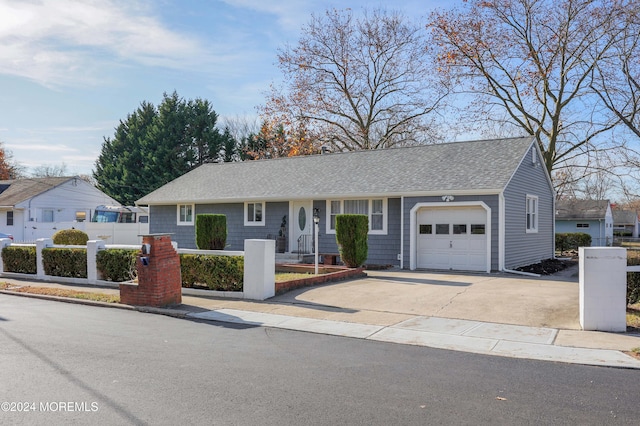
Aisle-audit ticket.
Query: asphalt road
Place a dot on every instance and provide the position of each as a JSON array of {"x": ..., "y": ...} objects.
[{"x": 74, "y": 364}]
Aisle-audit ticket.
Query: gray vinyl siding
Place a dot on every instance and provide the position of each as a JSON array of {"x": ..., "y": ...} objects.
[
  {"x": 522, "y": 248},
  {"x": 163, "y": 219},
  {"x": 490, "y": 200},
  {"x": 383, "y": 249}
]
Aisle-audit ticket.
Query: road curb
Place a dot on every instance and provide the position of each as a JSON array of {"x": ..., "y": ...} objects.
[{"x": 145, "y": 309}]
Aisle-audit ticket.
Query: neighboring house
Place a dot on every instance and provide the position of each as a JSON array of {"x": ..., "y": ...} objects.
[
  {"x": 625, "y": 223},
  {"x": 593, "y": 217},
  {"x": 481, "y": 206},
  {"x": 34, "y": 208}
]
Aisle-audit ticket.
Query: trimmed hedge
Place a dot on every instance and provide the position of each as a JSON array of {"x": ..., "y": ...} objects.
[
  {"x": 70, "y": 237},
  {"x": 211, "y": 231},
  {"x": 572, "y": 240},
  {"x": 117, "y": 264},
  {"x": 225, "y": 273},
  {"x": 351, "y": 236},
  {"x": 65, "y": 262},
  {"x": 21, "y": 260},
  {"x": 633, "y": 278}
]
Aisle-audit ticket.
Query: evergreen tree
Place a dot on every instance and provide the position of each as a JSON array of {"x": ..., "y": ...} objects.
[{"x": 153, "y": 146}]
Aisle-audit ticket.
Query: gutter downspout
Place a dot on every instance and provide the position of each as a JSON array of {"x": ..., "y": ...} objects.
[
  {"x": 402, "y": 232},
  {"x": 528, "y": 274}
]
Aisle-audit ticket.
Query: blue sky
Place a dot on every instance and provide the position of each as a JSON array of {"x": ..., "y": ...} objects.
[{"x": 71, "y": 69}]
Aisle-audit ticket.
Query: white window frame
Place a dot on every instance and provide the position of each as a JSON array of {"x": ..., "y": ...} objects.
[
  {"x": 179, "y": 220},
  {"x": 385, "y": 215},
  {"x": 53, "y": 215},
  {"x": 531, "y": 225},
  {"x": 261, "y": 222}
]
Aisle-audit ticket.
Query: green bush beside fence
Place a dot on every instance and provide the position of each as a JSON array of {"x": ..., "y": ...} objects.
[
  {"x": 225, "y": 273},
  {"x": 65, "y": 262},
  {"x": 117, "y": 264},
  {"x": 633, "y": 278},
  {"x": 572, "y": 240},
  {"x": 21, "y": 260},
  {"x": 70, "y": 237}
]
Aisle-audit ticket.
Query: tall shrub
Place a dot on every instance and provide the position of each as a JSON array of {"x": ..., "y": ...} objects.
[
  {"x": 351, "y": 236},
  {"x": 211, "y": 231}
]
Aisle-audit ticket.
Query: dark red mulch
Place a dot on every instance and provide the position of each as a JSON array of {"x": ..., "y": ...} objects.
[{"x": 547, "y": 267}]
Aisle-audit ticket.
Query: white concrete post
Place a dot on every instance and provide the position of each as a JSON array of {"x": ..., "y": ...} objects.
[
  {"x": 4, "y": 242},
  {"x": 41, "y": 243},
  {"x": 259, "y": 269},
  {"x": 603, "y": 288},
  {"x": 93, "y": 246}
]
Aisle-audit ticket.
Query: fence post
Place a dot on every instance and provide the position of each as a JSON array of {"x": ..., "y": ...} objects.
[
  {"x": 4, "y": 242},
  {"x": 41, "y": 243},
  {"x": 93, "y": 246},
  {"x": 259, "y": 269},
  {"x": 603, "y": 288}
]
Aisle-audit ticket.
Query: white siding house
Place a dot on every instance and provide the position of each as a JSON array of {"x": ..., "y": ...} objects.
[{"x": 35, "y": 208}]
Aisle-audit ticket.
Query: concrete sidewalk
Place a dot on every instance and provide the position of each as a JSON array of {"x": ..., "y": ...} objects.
[{"x": 494, "y": 314}]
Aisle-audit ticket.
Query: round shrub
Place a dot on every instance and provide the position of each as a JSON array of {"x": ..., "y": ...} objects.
[{"x": 70, "y": 237}]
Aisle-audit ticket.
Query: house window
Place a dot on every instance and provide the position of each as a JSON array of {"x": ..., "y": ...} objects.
[
  {"x": 81, "y": 216},
  {"x": 582, "y": 225},
  {"x": 185, "y": 214},
  {"x": 47, "y": 215},
  {"x": 375, "y": 209},
  {"x": 254, "y": 214},
  {"x": 10, "y": 218},
  {"x": 532, "y": 213}
]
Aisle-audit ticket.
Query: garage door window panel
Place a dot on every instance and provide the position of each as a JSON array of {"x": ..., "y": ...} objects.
[
  {"x": 459, "y": 229},
  {"x": 442, "y": 229},
  {"x": 477, "y": 229}
]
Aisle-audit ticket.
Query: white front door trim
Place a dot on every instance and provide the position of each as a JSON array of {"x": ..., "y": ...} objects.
[{"x": 413, "y": 227}]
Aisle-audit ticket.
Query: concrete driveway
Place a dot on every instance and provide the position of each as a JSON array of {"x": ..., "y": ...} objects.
[{"x": 551, "y": 301}]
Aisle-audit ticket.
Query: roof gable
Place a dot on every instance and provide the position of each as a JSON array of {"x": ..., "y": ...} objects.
[
  {"x": 480, "y": 166},
  {"x": 20, "y": 190}
]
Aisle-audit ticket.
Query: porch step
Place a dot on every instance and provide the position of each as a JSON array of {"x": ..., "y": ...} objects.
[{"x": 287, "y": 258}]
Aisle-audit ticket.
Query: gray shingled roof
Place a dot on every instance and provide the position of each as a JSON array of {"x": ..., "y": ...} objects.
[
  {"x": 581, "y": 209},
  {"x": 624, "y": 217},
  {"x": 19, "y": 190},
  {"x": 478, "y": 166}
]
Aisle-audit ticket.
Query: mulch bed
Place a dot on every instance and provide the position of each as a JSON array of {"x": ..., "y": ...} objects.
[{"x": 547, "y": 267}]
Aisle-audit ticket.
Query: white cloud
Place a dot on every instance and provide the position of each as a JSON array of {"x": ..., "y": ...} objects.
[
  {"x": 61, "y": 42},
  {"x": 290, "y": 14},
  {"x": 40, "y": 147}
]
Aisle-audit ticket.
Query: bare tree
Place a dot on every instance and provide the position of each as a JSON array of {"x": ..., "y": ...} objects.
[
  {"x": 50, "y": 170},
  {"x": 530, "y": 64},
  {"x": 618, "y": 79},
  {"x": 357, "y": 82}
]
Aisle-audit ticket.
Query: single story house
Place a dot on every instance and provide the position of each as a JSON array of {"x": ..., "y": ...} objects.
[
  {"x": 31, "y": 208},
  {"x": 480, "y": 206},
  {"x": 593, "y": 217},
  {"x": 625, "y": 223}
]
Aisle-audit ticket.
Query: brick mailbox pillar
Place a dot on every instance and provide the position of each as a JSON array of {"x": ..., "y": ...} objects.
[{"x": 159, "y": 280}]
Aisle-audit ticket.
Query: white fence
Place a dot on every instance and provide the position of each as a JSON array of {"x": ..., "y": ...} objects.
[
  {"x": 110, "y": 233},
  {"x": 259, "y": 270}
]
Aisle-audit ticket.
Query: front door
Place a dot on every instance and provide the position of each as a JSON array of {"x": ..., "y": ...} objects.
[{"x": 301, "y": 226}]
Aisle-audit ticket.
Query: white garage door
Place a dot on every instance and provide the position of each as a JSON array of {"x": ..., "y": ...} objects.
[{"x": 452, "y": 238}]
